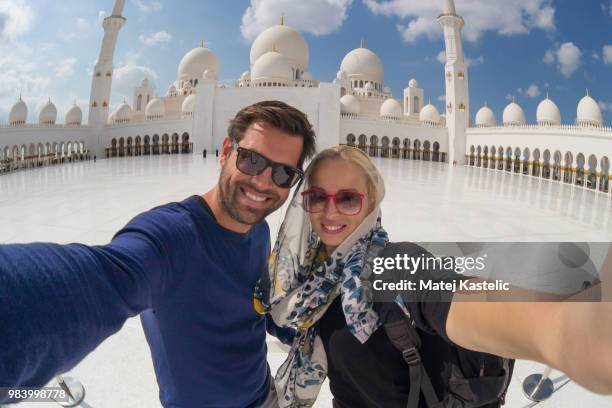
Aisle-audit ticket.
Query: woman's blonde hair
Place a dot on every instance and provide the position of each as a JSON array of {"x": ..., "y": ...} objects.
[{"x": 374, "y": 181}]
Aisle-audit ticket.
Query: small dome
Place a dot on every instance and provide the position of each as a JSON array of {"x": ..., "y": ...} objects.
[
  {"x": 171, "y": 90},
  {"x": 155, "y": 109},
  {"x": 272, "y": 66},
  {"x": 341, "y": 75},
  {"x": 48, "y": 114},
  {"x": 306, "y": 76},
  {"x": 589, "y": 112},
  {"x": 196, "y": 61},
  {"x": 548, "y": 113},
  {"x": 144, "y": 82},
  {"x": 485, "y": 117},
  {"x": 19, "y": 113},
  {"x": 391, "y": 108},
  {"x": 413, "y": 83},
  {"x": 429, "y": 114},
  {"x": 286, "y": 41},
  {"x": 188, "y": 105},
  {"x": 246, "y": 76},
  {"x": 74, "y": 116},
  {"x": 123, "y": 113},
  {"x": 514, "y": 115},
  {"x": 350, "y": 104},
  {"x": 363, "y": 63}
]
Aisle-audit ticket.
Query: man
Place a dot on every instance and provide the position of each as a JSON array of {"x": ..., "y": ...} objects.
[{"x": 190, "y": 267}]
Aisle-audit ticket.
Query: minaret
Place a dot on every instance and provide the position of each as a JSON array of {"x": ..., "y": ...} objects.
[
  {"x": 456, "y": 78},
  {"x": 99, "y": 99}
]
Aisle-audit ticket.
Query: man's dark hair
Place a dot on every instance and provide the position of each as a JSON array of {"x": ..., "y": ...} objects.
[{"x": 279, "y": 115}]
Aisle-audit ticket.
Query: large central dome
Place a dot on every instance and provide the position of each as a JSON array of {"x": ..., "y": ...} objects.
[
  {"x": 361, "y": 63},
  {"x": 286, "y": 41}
]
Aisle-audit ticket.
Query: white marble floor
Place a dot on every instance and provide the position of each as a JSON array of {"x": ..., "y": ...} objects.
[{"x": 88, "y": 202}]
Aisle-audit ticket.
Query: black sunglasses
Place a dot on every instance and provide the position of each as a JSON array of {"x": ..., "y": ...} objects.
[{"x": 252, "y": 163}]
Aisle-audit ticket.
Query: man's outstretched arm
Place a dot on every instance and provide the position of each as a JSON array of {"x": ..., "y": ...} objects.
[{"x": 59, "y": 302}]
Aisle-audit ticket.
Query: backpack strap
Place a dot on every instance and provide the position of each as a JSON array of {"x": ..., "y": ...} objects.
[{"x": 405, "y": 338}]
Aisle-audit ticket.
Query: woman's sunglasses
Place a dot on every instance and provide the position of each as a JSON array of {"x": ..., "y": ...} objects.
[
  {"x": 347, "y": 202},
  {"x": 252, "y": 163}
]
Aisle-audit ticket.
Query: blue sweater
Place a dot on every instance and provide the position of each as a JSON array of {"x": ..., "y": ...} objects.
[{"x": 193, "y": 281}]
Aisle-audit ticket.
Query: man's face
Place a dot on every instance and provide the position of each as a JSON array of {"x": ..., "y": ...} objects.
[{"x": 249, "y": 199}]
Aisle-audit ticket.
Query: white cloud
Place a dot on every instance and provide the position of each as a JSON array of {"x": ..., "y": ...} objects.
[
  {"x": 500, "y": 16},
  {"x": 607, "y": 8},
  {"x": 470, "y": 62},
  {"x": 155, "y": 38},
  {"x": 605, "y": 106},
  {"x": 532, "y": 91},
  {"x": 15, "y": 18},
  {"x": 65, "y": 67},
  {"x": 549, "y": 57},
  {"x": 318, "y": 17},
  {"x": 607, "y": 54},
  {"x": 128, "y": 76},
  {"x": 146, "y": 6},
  {"x": 568, "y": 57}
]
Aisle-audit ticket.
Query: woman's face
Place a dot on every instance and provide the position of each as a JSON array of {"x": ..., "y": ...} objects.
[{"x": 332, "y": 175}]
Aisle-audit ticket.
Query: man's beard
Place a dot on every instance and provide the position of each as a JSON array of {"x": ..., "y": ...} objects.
[{"x": 228, "y": 198}]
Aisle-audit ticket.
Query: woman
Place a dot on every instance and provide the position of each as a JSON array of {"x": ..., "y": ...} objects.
[{"x": 319, "y": 284}]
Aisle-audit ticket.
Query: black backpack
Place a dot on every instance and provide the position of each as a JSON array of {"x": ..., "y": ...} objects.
[{"x": 477, "y": 380}]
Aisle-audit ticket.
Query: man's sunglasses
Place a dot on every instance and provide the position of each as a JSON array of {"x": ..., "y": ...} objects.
[
  {"x": 348, "y": 202},
  {"x": 252, "y": 163}
]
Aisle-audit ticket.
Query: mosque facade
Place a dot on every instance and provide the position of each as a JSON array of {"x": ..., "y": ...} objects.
[{"x": 355, "y": 108}]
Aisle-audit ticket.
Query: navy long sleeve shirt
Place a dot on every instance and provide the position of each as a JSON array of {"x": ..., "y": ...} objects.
[{"x": 192, "y": 279}]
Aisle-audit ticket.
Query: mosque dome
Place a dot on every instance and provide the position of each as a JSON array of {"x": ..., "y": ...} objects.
[
  {"x": 155, "y": 109},
  {"x": 19, "y": 113},
  {"x": 286, "y": 41},
  {"x": 548, "y": 113},
  {"x": 341, "y": 75},
  {"x": 111, "y": 118},
  {"x": 514, "y": 115},
  {"x": 123, "y": 113},
  {"x": 48, "y": 114},
  {"x": 413, "y": 83},
  {"x": 485, "y": 117},
  {"x": 272, "y": 66},
  {"x": 171, "y": 90},
  {"x": 363, "y": 63},
  {"x": 589, "y": 112},
  {"x": 246, "y": 75},
  {"x": 74, "y": 116},
  {"x": 188, "y": 105},
  {"x": 350, "y": 104},
  {"x": 196, "y": 61},
  {"x": 429, "y": 114},
  {"x": 391, "y": 108}
]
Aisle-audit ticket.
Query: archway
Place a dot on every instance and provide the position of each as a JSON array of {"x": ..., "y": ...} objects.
[
  {"x": 363, "y": 141},
  {"x": 508, "y": 158},
  {"x": 155, "y": 144},
  {"x": 591, "y": 179},
  {"x": 165, "y": 143},
  {"x": 147, "y": 145},
  {"x": 121, "y": 147},
  {"x": 604, "y": 181},
  {"x": 406, "y": 149},
  {"x": 535, "y": 171},
  {"x": 395, "y": 148},
  {"x": 436, "y": 152},
  {"x": 175, "y": 143},
  {"x": 350, "y": 139},
  {"x": 416, "y": 152},
  {"x": 373, "y": 146},
  {"x": 568, "y": 167},
  {"x": 517, "y": 160},
  {"x": 580, "y": 170},
  {"x": 526, "y": 158},
  {"x": 187, "y": 147},
  {"x": 385, "y": 146},
  {"x": 472, "y": 155},
  {"x": 427, "y": 150},
  {"x": 129, "y": 146}
]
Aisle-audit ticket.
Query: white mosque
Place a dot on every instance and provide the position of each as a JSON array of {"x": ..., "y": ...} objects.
[{"x": 356, "y": 108}]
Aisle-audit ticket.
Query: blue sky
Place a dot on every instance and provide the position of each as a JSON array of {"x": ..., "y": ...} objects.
[{"x": 521, "y": 48}]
